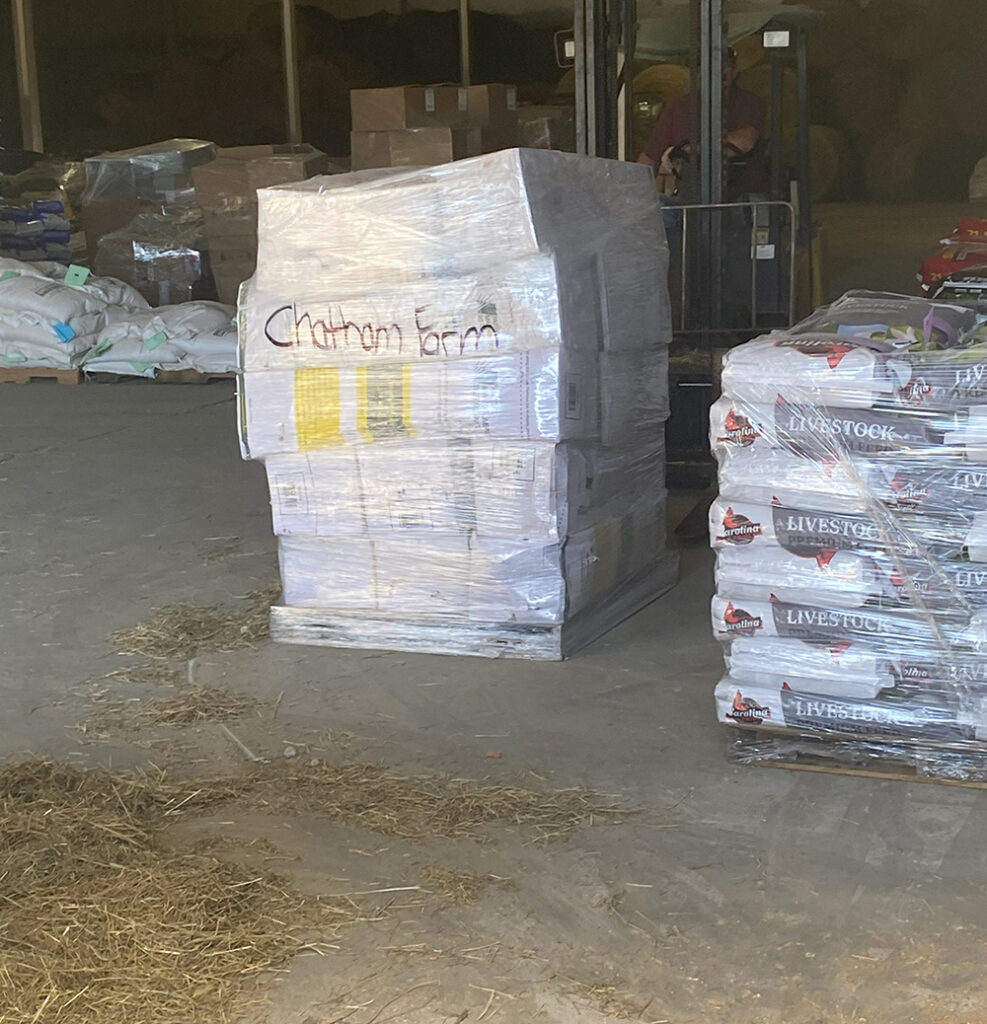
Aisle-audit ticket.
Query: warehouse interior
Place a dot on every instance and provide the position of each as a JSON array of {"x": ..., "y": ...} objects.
[{"x": 207, "y": 814}]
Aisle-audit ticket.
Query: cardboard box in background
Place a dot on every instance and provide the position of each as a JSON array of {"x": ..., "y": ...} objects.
[
  {"x": 492, "y": 106},
  {"x": 226, "y": 190},
  {"x": 104, "y": 216},
  {"x": 237, "y": 172},
  {"x": 230, "y": 268},
  {"x": 547, "y": 127},
  {"x": 409, "y": 106},
  {"x": 413, "y": 147}
]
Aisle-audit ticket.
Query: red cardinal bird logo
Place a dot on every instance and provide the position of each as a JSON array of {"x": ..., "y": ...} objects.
[
  {"x": 907, "y": 492},
  {"x": 747, "y": 710},
  {"x": 737, "y": 622},
  {"x": 832, "y": 351},
  {"x": 738, "y": 529},
  {"x": 738, "y": 430},
  {"x": 915, "y": 392}
]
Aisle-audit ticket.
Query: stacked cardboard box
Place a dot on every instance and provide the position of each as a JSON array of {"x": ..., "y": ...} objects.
[
  {"x": 850, "y": 522},
  {"x": 226, "y": 191},
  {"x": 547, "y": 127},
  {"x": 460, "y": 402},
  {"x": 419, "y": 126}
]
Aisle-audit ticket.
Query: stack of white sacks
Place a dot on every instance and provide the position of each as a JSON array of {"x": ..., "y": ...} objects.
[
  {"x": 851, "y": 527},
  {"x": 60, "y": 317},
  {"x": 457, "y": 380}
]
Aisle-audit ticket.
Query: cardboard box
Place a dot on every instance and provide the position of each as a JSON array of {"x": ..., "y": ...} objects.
[
  {"x": 501, "y": 137},
  {"x": 525, "y": 490},
  {"x": 441, "y": 220},
  {"x": 492, "y": 106},
  {"x": 421, "y": 575},
  {"x": 633, "y": 396},
  {"x": 104, "y": 216},
  {"x": 146, "y": 171},
  {"x": 547, "y": 127},
  {"x": 540, "y": 395},
  {"x": 230, "y": 268},
  {"x": 509, "y": 307},
  {"x": 238, "y": 172},
  {"x": 413, "y": 147},
  {"x": 408, "y": 106},
  {"x": 231, "y": 229}
]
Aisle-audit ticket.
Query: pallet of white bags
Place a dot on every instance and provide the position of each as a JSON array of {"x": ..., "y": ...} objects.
[
  {"x": 32, "y": 374},
  {"x": 437, "y": 635}
]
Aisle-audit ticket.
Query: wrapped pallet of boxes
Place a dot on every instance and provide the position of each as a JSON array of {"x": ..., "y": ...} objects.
[
  {"x": 850, "y": 536},
  {"x": 421, "y": 126},
  {"x": 457, "y": 381},
  {"x": 226, "y": 192},
  {"x": 142, "y": 223}
]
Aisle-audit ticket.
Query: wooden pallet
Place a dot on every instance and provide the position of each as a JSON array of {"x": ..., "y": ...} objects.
[
  {"x": 163, "y": 377},
  {"x": 42, "y": 374},
  {"x": 914, "y": 763}
]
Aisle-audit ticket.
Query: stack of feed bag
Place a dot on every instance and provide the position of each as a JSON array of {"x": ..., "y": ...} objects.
[
  {"x": 33, "y": 230},
  {"x": 418, "y": 126},
  {"x": 851, "y": 529},
  {"x": 63, "y": 318},
  {"x": 457, "y": 381},
  {"x": 226, "y": 192}
]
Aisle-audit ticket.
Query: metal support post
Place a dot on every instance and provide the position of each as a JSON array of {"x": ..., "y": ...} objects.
[
  {"x": 777, "y": 98},
  {"x": 805, "y": 183},
  {"x": 465, "y": 43},
  {"x": 292, "y": 89},
  {"x": 27, "y": 75},
  {"x": 629, "y": 45}
]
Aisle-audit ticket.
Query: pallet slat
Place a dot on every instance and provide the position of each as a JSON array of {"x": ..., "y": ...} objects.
[
  {"x": 27, "y": 374},
  {"x": 163, "y": 377},
  {"x": 915, "y": 762}
]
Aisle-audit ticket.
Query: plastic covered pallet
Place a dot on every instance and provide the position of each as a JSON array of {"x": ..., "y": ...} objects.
[
  {"x": 459, "y": 396},
  {"x": 851, "y": 536}
]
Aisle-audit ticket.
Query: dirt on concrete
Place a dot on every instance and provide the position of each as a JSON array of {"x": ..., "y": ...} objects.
[{"x": 739, "y": 894}]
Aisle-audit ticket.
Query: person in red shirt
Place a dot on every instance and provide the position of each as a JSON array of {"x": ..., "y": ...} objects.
[{"x": 671, "y": 140}]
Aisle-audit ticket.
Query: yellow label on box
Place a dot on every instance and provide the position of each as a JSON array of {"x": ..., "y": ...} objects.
[
  {"x": 317, "y": 403},
  {"x": 383, "y": 402}
]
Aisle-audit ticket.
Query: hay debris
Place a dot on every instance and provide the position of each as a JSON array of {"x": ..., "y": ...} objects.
[
  {"x": 454, "y": 886},
  {"x": 188, "y": 705},
  {"x": 614, "y": 1004},
  {"x": 430, "y": 806},
  {"x": 149, "y": 674},
  {"x": 181, "y": 631},
  {"x": 103, "y": 923}
]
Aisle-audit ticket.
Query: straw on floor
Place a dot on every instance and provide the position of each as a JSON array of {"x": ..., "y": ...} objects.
[
  {"x": 181, "y": 631},
  {"x": 103, "y": 923}
]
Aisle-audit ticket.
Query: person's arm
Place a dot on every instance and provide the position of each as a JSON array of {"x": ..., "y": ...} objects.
[{"x": 661, "y": 137}]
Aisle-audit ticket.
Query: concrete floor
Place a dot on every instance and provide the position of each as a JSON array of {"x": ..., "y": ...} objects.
[{"x": 739, "y": 894}]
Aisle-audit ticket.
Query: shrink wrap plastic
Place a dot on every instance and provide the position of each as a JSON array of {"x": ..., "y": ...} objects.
[
  {"x": 457, "y": 380},
  {"x": 851, "y": 535}
]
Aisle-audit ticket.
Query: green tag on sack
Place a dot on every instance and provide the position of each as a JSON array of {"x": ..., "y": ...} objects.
[{"x": 76, "y": 275}]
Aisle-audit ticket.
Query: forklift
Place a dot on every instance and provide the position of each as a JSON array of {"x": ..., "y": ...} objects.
[{"x": 717, "y": 249}]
